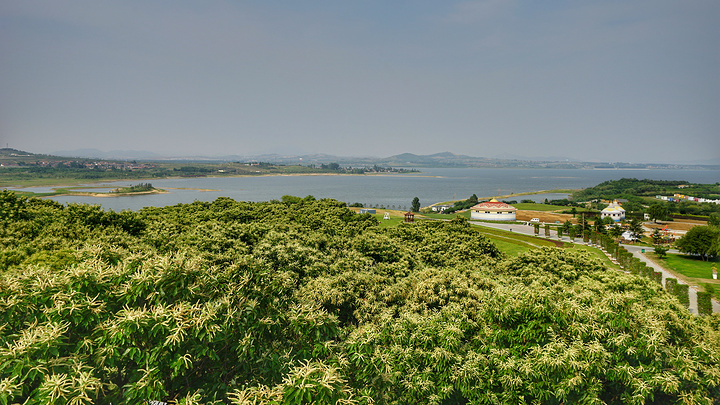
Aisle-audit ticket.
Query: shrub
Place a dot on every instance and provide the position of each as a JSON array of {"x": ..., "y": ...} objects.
[
  {"x": 681, "y": 291},
  {"x": 704, "y": 303},
  {"x": 670, "y": 284},
  {"x": 660, "y": 251}
]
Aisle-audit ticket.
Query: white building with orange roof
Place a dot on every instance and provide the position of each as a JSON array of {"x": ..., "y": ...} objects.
[{"x": 493, "y": 210}]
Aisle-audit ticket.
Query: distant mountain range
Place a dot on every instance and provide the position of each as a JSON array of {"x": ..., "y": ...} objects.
[
  {"x": 113, "y": 154},
  {"x": 443, "y": 159}
]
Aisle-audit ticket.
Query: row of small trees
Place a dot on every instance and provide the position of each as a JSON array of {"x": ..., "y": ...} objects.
[{"x": 638, "y": 267}]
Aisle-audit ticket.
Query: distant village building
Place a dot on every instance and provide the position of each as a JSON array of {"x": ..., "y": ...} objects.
[
  {"x": 614, "y": 211},
  {"x": 680, "y": 197},
  {"x": 493, "y": 210},
  {"x": 440, "y": 208},
  {"x": 367, "y": 211}
]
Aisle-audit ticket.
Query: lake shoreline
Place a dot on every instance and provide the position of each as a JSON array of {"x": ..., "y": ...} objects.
[
  {"x": 18, "y": 188},
  {"x": 73, "y": 183},
  {"x": 384, "y": 190},
  {"x": 506, "y": 196}
]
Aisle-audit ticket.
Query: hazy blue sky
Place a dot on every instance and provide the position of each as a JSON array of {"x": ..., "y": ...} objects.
[{"x": 630, "y": 80}]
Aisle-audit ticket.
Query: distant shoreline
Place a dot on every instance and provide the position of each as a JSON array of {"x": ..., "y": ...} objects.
[
  {"x": 499, "y": 197},
  {"x": 69, "y": 192},
  {"x": 86, "y": 184},
  {"x": 557, "y": 191}
]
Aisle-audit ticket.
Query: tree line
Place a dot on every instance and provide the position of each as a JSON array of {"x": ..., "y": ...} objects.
[{"x": 635, "y": 190}]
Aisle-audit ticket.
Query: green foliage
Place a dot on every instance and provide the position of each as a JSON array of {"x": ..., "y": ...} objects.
[
  {"x": 700, "y": 240},
  {"x": 624, "y": 187},
  {"x": 138, "y": 188},
  {"x": 658, "y": 211},
  {"x": 670, "y": 284},
  {"x": 660, "y": 251},
  {"x": 704, "y": 302},
  {"x": 415, "y": 205},
  {"x": 635, "y": 190},
  {"x": 462, "y": 205},
  {"x": 567, "y": 227},
  {"x": 303, "y": 301},
  {"x": 714, "y": 219},
  {"x": 682, "y": 293}
]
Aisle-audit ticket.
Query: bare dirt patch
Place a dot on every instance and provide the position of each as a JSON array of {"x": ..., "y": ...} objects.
[
  {"x": 544, "y": 216},
  {"x": 677, "y": 225}
]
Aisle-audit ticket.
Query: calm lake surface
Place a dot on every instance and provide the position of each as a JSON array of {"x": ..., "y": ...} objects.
[{"x": 432, "y": 185}]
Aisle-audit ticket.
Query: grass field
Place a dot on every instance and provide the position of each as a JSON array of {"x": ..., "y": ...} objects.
[
  {"x": 445, "y": 216},
  {"x": 509, "y": 247},
  {"x": 690, "y": 266},
  {"x": 538, "y": 207},
  {"x": 598, "y": 254},
  {"x": 526, "y": 239},
  {"x": 692, "y": 269}
]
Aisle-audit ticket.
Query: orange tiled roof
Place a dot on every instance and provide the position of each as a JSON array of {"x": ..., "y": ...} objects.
[{"x": 493, "y": 205}]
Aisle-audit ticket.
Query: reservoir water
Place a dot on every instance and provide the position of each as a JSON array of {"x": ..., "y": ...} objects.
[{"x": 432, "y": 185}]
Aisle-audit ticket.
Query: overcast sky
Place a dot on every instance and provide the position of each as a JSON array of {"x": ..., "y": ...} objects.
[{"x": 629, "y": 80}]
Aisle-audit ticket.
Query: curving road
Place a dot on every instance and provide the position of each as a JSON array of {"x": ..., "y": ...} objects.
[{"x": 637, "y": 252}]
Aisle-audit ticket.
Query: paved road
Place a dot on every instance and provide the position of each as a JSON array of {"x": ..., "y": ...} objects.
[{"x": 635, "y": 250}]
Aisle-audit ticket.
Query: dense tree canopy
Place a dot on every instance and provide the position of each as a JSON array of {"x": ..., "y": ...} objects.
[
  {"x": 626, "y": 187},
  {"x": 658, "y": 211},
  {"x": 301, "y": 301},
  {"x": 701, "y": 240}
]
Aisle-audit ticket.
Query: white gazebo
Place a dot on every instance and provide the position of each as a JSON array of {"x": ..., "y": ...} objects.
[
  {"x": 493, "y": 210},
  {"x": 614, "y": 211}
]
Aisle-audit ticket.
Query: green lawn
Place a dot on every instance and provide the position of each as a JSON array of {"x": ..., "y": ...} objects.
[
  {"x": 509, "y": 243},
  {"x": 538, "y": 207},
  {"x": 693, "y": 269},
  {"x": 527, "y": 239},
  {"x": 690, "y": 266},
  {"x": 446, "y": 216},
  {"x": 464, "y": 214},
  {"x": 510, "y": 247},
  {"x": 597, "y": 253}
]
